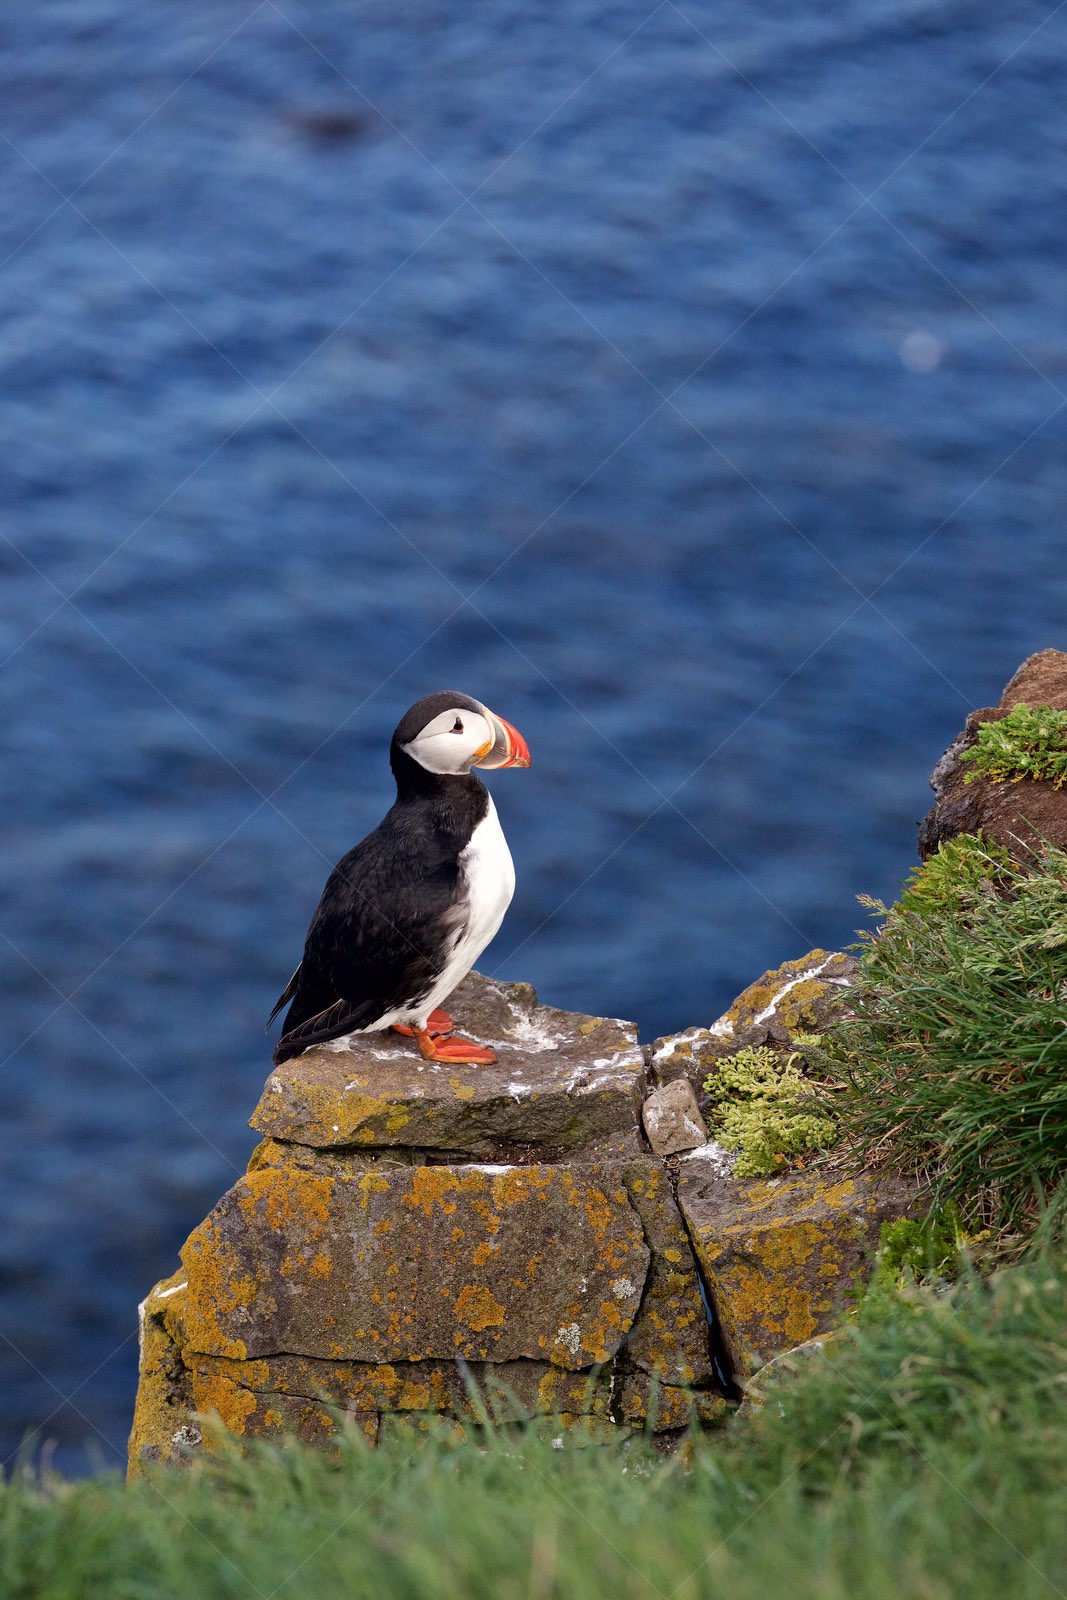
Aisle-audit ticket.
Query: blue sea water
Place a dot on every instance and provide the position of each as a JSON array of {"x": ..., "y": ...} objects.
[{"x": 687, "y": 381}]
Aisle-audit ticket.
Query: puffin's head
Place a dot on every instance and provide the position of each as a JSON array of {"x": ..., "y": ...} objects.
[{"x": 449, "y": 733}]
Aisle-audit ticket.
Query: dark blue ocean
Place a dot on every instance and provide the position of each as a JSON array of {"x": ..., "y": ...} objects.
[{"x": 687, "y": 381}]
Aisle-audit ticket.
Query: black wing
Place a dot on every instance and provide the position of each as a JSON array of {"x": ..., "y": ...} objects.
[{"x": 377, "y": 939}]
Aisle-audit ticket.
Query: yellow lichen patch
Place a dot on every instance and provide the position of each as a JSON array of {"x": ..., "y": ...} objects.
[
  {"x": 361, "y": 1108},
  {"x": 216, "y": 1394},
  {"x": 786, "y": 1245},
  {"x": 478, "y": 1308},
  {"x": 598, "y": 1210},
  {"x": 321, "y": 1265},
  {"x": 428, "y": 1186},
  {"x": 804, "y": 1196},
  {"x": 792, "y": 1316},
  {"x": 462, "y": 1091},
  {"x": 489, "y": 1217},
  {"x": 371, "y": 1183},
  {"x": 797, "y": 1009},
  {"x": 286, "y": 1195},
  {"x": 415, "y": 1397},
  {"x": 262, "y": 1155},
  {"x": 518, "y": 1184},
  {"x": 217, "y": 1288}
]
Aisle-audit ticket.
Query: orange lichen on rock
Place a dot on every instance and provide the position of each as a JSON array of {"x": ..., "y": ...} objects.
[
  {"x": 218, "y": 1289},
  {"x": 780, "y": 1255},
  {"x": 217, "y": 1394},
  {"x": 476, "y": 1306},
  {"x": 286, "y": 1195},
  {"x": 429, "y": 1185}
]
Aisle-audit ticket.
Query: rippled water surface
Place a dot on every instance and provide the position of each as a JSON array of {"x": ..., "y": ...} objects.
[{"x": 683, "y": 381}]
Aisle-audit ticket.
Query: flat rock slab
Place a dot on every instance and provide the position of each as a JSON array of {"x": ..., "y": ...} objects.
[
  {"x": 561, "y": 1080},
  {"x": 781, "y": 1255},
  {"x": 413, "y": 1263}
]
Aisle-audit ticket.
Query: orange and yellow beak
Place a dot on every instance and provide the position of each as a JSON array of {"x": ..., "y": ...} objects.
[{"x": 507, "y": 748}]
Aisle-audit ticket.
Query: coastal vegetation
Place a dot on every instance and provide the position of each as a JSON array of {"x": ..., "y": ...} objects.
[
  {"x": 766, "y": 1110},
  {"x": 954, "y": 1053},
  {"x": 918, "y": 1452},
  {"x": 1029, "y": 742}
]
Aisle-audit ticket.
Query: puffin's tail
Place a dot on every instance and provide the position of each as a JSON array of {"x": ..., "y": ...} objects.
[
  {"x": 284, "y": 998},
  {"x": 340, "y": 1018}
]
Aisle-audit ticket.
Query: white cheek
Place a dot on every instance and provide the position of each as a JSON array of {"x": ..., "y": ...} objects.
[{"x": 448, "y": 752}]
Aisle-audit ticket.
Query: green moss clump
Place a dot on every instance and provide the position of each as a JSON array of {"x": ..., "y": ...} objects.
[
  {"x": 1030, "y": 742},
  {"x": 766, "y": 1111},
  {"x": 919, "y": 1251}
]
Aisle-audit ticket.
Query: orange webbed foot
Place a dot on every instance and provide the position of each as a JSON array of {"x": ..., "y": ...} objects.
[
  {"x": 458, "y": 1051},
  {"x": 438, "y": 1024}
]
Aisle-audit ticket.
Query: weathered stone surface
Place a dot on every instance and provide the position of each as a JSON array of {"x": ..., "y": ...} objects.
[
  {"x": 391, "y": 1263},
  {"x": 1007, "y": 813},
  {"x": 780, "y": 1255},
  {"x": 789, "y": 1364},
  {"x": 672, "y": 1119},
  {"x": 690, "y": 1057},
  {"x": 498, "y": 1391},
  {"x": 164, "y": 1424},
  {"x": 669, "y": 1338},
  {"x": 561, "y": 1079},
  {"x": 798, "y": 997},
  {"x": 667, "y": 1407}
]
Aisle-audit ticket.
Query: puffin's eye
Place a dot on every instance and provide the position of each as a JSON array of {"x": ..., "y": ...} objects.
[{"x": 457, "y": 727}]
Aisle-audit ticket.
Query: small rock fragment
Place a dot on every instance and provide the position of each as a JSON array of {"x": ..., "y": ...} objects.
[{"x": 672, "y": 1119}]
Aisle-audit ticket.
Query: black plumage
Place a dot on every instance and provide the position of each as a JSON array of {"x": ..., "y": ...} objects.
[{"x": 391, "y": 907}]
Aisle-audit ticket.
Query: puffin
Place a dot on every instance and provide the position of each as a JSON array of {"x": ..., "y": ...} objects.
[{"x": 407, "y": 912}]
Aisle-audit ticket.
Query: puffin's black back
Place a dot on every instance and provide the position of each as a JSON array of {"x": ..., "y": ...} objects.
[{"x": 389, "y": 911}]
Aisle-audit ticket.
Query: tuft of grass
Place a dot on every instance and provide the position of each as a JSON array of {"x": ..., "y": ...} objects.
[
  {"x": 932, "y": 1375},
  {"x": 964, "y": 869},
  {"x": 767, "y": 1110},
  {"x": 955, "y": 1055},
  {"x": 1030, "y": 742},
  {"x": 922, "y": 1452}
]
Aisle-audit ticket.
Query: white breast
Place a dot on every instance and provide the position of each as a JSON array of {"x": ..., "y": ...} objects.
[{"x": 487, "y": 883}]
